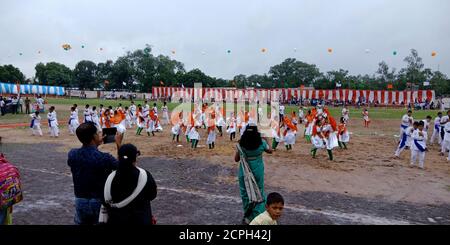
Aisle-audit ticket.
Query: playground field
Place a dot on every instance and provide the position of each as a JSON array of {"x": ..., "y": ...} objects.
[{"x": 363, "y": 185}]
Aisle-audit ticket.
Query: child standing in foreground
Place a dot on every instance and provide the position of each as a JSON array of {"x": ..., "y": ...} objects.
[
  {"x": 419, "y": 145},
  {"x": 36, "y": 124},
  {"x": 274, "y": 210}
]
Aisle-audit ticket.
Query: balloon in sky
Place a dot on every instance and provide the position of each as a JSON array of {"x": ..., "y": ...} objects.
[
  {"x": 203, "y": 52},
  {"x": 101, "y": 49},
  {"x": 295, "y": 49},
  {"x": 173, "y": 51},
  {"x": 39, "y": 52},
  {"x": 20, "y": 54},
  {"x": 82, "y": 46},
  {"x": 228, "y": 51},
  {"x": 66, "y": 47},
  {"x": 330, "y": 50},
  {"x": 367, "y": 51},
  {"x": 433, "y": 54},
  {"x": 394, "y": 53},
  {"x": 263, "y": 50}
]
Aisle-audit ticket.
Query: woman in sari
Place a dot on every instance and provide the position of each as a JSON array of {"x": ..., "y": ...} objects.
[{"x": 252, "y": 147}]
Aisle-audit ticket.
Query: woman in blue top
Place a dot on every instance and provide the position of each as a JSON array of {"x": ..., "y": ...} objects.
[{"x": 253, "y": 146}]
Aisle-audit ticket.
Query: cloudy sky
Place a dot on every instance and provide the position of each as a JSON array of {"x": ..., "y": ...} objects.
[{"x": 201, "y": 32}]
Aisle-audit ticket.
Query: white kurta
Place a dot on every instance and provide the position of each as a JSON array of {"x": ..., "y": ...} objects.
[{"x": 193, "y": 134}]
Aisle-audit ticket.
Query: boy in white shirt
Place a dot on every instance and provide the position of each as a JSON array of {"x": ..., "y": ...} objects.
[
  {"x": 53, "y": 122},
  {"x": 407, "y": 121},
  {"x": 419, "y": 145},
  {"x": 436, "y": 129},
  {"x": 405, "y": 139},
  {"x": 36, "y": 124},
  {"x": 87, "y": 114},
  {"x": 73, "y": 121},
  {"x": 274, "y": 209}
]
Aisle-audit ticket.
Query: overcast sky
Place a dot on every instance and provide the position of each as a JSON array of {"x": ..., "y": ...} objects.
[{"x": 201, "y": 32}]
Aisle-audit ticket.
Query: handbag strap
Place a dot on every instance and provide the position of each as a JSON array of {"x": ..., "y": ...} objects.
[{"x": 142, "y": 180}]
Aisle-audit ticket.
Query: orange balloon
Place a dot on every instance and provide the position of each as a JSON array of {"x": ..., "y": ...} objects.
[
  {"x": 173, "y": 52},
  {"x": 263, "y": 50},
  {"x": 330, "y": 50},
  {"x": 433, "y": 54}
]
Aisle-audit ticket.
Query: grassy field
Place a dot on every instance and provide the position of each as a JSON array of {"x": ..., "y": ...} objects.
[{"x": 379, "y": 113}]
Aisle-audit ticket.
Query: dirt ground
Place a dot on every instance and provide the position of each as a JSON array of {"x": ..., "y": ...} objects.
[{"x": 363, "y": 185}]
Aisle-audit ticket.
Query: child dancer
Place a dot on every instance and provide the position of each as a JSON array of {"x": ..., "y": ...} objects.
[
  {"x": 73, "y": 121},
  {"x": 194, "y": 136},
  {"x": 119, "y": 121},
  {"x": 276, "y": 132},
  {"x": 343, "y": 135},
  {"x": 289, "y": 133},
  {"x": 211, "y": 132},
  {"x": 36, "y": 124},
  {"x": 309, "y": 125},
  {"x": 53, "y": 122},
  {"x": 176, "y": 128},
  {"x": 128, "y": 117},
  {"x": 366, "y": 118},
  {"x": 405, "y": 138},
  {"x": 436, "y": 130},
  {"x": 318, "y": 138},
  {"x": 345, "y": 114},
  {"x": 151, "y": 128},
  {"x": 231, "y": 128},
  {"x": 220, "y": 123},
  {"x": 301, "y": 115},
  {"x": 106, "y": 119},
  {"x": 419, "y": 146},
  {"x": 87, "y": 114},
  {"x": 95, "y": 117},
  {"x": 133, "y": 113},
  {"x": 165, "y": 111},
  {"x": 140, "y": 120}
]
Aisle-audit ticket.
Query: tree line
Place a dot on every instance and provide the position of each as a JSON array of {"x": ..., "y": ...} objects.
[{"x": 140, "y": 70}]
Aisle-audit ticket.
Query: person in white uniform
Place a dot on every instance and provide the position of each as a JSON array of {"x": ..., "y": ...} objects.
[
  {"x": 36, "y": 124},
  {"x": 419, "y": 145},
  {"x": 436, "y": 130},
  {"x": 73, "y": 121},
  {"x": 53, "y": 122}
]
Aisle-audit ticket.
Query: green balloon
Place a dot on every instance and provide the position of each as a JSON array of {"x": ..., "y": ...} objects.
[
  {"x": 229, "y": 51},
  {"x": 395, "y": 53},
  {"x": 20, "y": 54},
  {"x": 82, "y": 46}
]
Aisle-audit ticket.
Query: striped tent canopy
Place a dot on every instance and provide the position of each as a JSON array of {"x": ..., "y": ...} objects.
[
  {"x": 11, "y": 88},
  {"x": 284, "y": 94}
]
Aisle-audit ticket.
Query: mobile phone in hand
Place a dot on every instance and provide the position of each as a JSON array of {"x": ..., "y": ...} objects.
[{"x": 109, "y": 135}]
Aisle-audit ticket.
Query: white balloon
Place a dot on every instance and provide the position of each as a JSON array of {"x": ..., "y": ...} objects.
[
  {"x": 367, "y": 50},
  {"x": 295, "y": 49}
]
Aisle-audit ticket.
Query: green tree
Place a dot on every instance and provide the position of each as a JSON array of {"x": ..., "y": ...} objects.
[
  {"x": 85, "y": 75},
  {"x": 384, "y": 74},
  {"x": 104, "y": 73},
  {"x": 293, "y": 73},
  {"x": 413, "y": 73},
  {"x": 9, "y": 73},
  {"x": 54, "y": 73}
]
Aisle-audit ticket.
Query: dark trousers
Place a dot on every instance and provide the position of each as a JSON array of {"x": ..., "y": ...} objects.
[
  {"x": 27, "y": 109},
  {"x": 2, "y": 110},
  {"x": 87, "y": 211}
]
